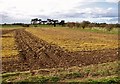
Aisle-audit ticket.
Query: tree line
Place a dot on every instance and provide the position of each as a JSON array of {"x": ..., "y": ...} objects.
[
  {"x": 87, "y": 24},
  {"x": 48, "y": 21},
  {"x": 84, "y": 24}
]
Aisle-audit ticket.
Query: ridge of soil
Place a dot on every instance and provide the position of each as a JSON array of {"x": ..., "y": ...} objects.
[
  {"x": 7, "y": 31},
  {"x": 36, "y": 53}
]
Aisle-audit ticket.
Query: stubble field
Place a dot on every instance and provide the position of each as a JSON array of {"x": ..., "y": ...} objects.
[{"x": 30, "y": 49}]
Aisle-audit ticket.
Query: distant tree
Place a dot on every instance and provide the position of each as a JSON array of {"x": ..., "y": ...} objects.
[
  {"x": 85, "y": 24},
  {"x": 25, "y": 25},
  {"x": 77, "y": 25},
  {"x": 62, "y": 23},
  {"x": 91, "y": 25},
  {"x": 109, "y": 27},
  {"x": 54, "y": 23},
  {"x": 71, "y": 24},
  {"x": 4, "y": 24},
  {"x": 34, "y": 21},
  {"x": 43, "y": 22},
  {"x": 103, "y": 25},
  {"x": 117, "y": 25},
  {"x": 96, "y": 24},
  {"x": 49, "y": 21},
  {"x": 39, "y": 21}
]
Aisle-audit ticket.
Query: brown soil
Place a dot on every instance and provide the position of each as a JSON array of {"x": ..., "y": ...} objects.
[
  {"x": 7, "y": 31},
  {"x": 36, "y": 53}
]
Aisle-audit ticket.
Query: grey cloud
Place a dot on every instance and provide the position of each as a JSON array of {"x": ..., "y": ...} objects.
[
  {"x": 78, "y": 13},
  {"x": 84, "y": 15},
  {"x": 40, "y": 16},
  {"x": 8, "y": 19}
]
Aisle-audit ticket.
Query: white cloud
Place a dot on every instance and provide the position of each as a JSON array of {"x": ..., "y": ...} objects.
[
  {"x": 35, "y": 7},
  {"x": 113, "y": 1},
  {"x": 27, "y": 9}
]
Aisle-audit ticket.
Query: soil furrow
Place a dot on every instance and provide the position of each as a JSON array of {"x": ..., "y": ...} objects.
[
  {"x": 44, "y": 56},
  {"x": 36, "y": 53}
]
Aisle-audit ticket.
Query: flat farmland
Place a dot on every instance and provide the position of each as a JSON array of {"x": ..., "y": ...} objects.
[
  {"x": 62, "y": 54},
  {"x": 74, "y": 40},
  {"x": 8, "y": 44}
]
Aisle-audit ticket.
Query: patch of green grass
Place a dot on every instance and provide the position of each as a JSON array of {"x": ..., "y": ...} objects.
[
  {"x": 103, "y": 30},
  {"x": 91, "y": 80},
  {"x": 0, "y": 26},
  {"x": 74, "y": 83},
  {"x": 97, "y": 30},
  {"x": 10, "y": 74},
  {"x": 114, "y": 80},
  {"x": 94, "y": 29},
  {"x": 54, "y": 79},
  {"x": 103, "y": 80},
  {"x": 73, "y": 75},
  {"x": 40, "y": 79}
]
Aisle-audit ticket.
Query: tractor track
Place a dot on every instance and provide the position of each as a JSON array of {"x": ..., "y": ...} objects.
[{"x": 36, "y": 53}]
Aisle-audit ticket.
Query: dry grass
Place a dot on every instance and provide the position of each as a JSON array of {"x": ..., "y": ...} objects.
[
  {"x": 72, "y": 40},
  {"x": 8, "y": 45},
  {"x": 75, "y": 40},
  {"x": 71, "y": 74}
]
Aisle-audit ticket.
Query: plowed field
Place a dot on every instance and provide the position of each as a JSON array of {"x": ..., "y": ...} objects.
[{"x": 36, "y": 53}]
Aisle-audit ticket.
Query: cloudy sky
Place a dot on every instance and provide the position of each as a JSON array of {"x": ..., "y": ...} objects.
[{"x": 69, "y": 10}]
